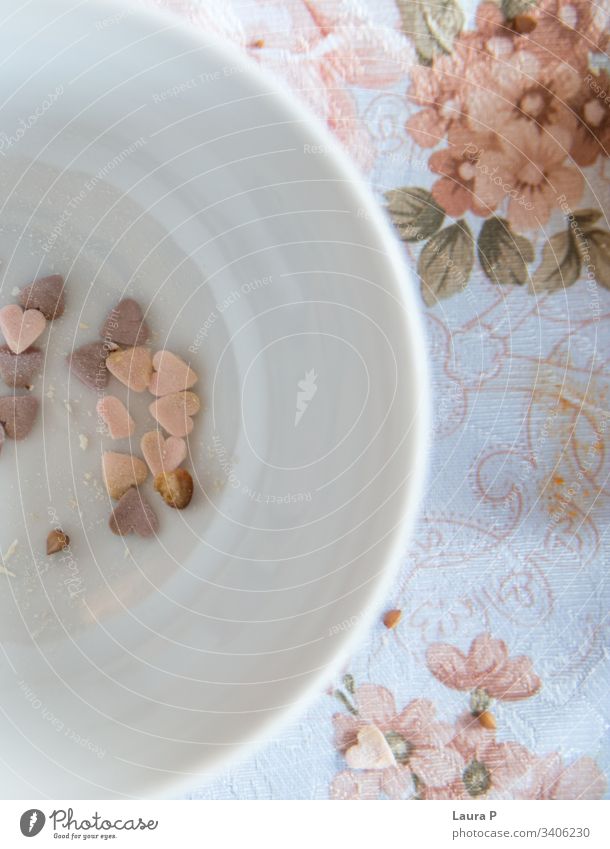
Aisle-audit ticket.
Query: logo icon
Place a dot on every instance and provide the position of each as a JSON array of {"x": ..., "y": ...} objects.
[
  {"x": 32, "y": 822},
  {"x": 307, "y": 389}
]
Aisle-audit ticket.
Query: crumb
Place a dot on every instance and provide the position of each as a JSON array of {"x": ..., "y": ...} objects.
[
  {"x": 83, "y": 441},
  {"x": 4, "y": 558},
  {"x": 10, "y": 550},
  {"x": 51, "y": 392},
  {"x": 68, "y": 406},
  {"x": 15, "y": 291},
  {"x": 88, "y": 476},
  {"x": 83, "y": 326}
]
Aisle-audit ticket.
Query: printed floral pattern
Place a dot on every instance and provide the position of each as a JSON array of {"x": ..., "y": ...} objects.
[
  {"x": 514, "y": 124},
  {"x": 485, "y": 127},
  {"x": 409, "y": 754}
]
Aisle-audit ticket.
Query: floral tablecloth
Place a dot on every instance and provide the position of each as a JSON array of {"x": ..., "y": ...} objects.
[{"x": 485, "y": 131}]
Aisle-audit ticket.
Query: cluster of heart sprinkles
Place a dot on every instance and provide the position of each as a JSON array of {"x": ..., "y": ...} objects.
[
  {"x": 122, "y": 354},
  {"x": 20, "y": 360}
]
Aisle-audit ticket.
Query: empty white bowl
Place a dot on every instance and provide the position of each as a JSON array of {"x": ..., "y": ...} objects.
[{"x": 138, "y": 159}]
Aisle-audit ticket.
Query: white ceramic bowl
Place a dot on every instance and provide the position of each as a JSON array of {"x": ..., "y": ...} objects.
[{"x": 138, "y": 158}]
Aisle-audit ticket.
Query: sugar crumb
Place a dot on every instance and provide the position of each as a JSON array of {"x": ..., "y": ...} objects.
[
  {"x": 10, "y": 550},
  {"x": 15, "y": 291},
  {"x": 83, "y": 441}
]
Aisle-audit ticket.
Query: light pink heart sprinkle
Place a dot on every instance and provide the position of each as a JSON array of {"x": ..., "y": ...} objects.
[
  {"x": 372, "y": 750},
  {"x": 162, "y": 455},
  {"x": 114, "y": 413},
  {"x": 21, "y": 329},
  {"x": 122, "y": 471},
  {"x": 173, "y": 412},
  {"x": 132, "y": 367},
  {"x": 171, "y": 374}
]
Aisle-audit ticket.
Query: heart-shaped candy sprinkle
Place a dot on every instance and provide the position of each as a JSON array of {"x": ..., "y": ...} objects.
[
  {"x": 372, "y": 750},
  {"x": 162, "y": 455},
  {"x": 18, "y": 414},
  {"x": 133, "y": 514},
  {"x": 19, "y": 370},
  {"x": 88, "y": 363},
  {"x": 113, "y": 412},
  {"x": 171, "y": 374},
  {"x": 21, "y": 329},
  {"x": 173, "y": 412},
  {"x": 122, "y": 471},
  {"x": 133, "y": 367},
  {"x": 46, "y": 295},
  {"x": 125, "y": 324}
]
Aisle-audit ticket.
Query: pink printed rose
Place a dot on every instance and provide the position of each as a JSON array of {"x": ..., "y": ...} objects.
[
  {"x": 530, "y": 171},
  {"x": 463, "y": 183}
]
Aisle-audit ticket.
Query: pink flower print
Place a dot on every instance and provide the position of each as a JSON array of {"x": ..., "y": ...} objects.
[
  {"x": 592, "y": 135},
  {"x": 523, "y": 91},
  {"x": 459, "y": 189},
  {"x": 551, "y": 779},
  {"x": 441, "y": 90},
  {"x": 531, "y": 171},
  {"x": 487, "y": 667},
  {"x": 493, "y": 770},
  {"x": 418, "y": 743}
]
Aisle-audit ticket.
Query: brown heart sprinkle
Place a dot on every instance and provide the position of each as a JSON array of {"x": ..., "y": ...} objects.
[
  {"x": 133, "y": 514},
  {"x": 19, "y": 370},
  {"x": 18, "y": 414},
  {"x": 45, "y": 295},
  {"x": 175, "y": 487},
  {"x": 122, "y": 471},
  {"x": 57, "y": 540},
  {"x": 88, "y": 363},
  {"x": 125, "y": 324}
]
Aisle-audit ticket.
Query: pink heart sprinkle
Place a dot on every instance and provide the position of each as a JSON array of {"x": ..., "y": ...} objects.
[
  {"x": 21, "y": 329},
  {"x": 171, "y": 374},
  {"x": 173, "y": 412},
  {"x": 115, "y": 415}
]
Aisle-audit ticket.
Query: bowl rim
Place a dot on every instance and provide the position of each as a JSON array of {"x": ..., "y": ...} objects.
[{"x": 171, "y": 784}]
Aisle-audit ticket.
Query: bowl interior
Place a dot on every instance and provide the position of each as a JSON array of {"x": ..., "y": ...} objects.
[{"x": 139, "y": 161}]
